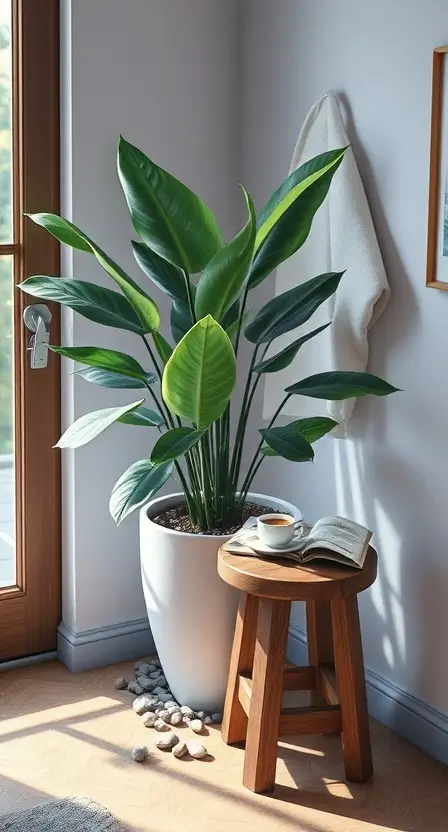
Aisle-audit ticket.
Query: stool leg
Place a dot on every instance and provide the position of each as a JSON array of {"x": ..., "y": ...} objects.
[
  {"x": 320, "y": 638},
  {"x": 351, "y": 689},
  {"x": 234, "y": 723},
  {"x": 267, "y": 688}
]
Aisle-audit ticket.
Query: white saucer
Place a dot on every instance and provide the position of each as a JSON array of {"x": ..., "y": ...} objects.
[{"x": 296, "y": 545}]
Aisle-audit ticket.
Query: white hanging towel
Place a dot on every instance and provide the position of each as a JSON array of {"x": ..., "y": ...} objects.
[{"x": 342, "y": 237}]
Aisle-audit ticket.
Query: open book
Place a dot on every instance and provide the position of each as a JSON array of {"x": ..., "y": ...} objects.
[{"x": 331, "y": 538}]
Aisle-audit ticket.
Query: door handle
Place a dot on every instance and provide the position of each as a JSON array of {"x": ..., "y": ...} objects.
[{"x": 37, "y": 319}]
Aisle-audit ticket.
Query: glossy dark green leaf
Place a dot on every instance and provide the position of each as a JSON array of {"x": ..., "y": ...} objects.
[
  {"x": 142, "y": 417},
  {"x": 286, "y": 220},
  {"x": 180, "y": 321},
  {"x": 223, "y": 278},
  {"x": 199, "y": 377},
  {"x": 103, "y": 359},
  {"x": 233, "y": 328},
  {"x": 292, "y": 308},
  {"x": 284, "y": 358},
  {"x": 93, "y": 302},
  {"x": 288, "y": 444},
  {"x": 164, "y": 274},
  {"x": 90, "y": 425},
  {"x": 311, "y": 429},
  {"x": 174, "y": 443},
  {"x": 339, "y": 385},
  {"x": 162, "y": 346},
  {"x": 169, "y": 218},
  {"x": 139, "y": 483},
  {"x": 116, "y": 381},
  {"x": 65, "y": 231}
]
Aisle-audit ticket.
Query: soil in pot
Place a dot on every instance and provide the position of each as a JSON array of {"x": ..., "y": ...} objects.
[{"x": 178, "y": 520}]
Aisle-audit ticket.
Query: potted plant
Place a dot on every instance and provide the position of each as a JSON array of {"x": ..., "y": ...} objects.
[{"x": 190, "y": 378}]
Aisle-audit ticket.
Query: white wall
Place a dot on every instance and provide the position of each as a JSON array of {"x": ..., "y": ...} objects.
[
  {"x": 163, "y": 73},
  {"x": 392, "y": 474}
]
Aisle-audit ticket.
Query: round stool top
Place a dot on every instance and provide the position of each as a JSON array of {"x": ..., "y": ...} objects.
[{"x": 258, "y": 575}]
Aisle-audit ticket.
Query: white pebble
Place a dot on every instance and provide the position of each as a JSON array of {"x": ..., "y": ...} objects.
[
  {"x": 176, "y": 718},
  {"x": 121, "y": 683},
  {"x": 139, "y": 753},
  {"x": 200, "y": 714},
  {"x": 144, "y": 703},
  {"x": 186, "y": 711},
  {"x": 160, "y": 725},
  {"x": 149, "y": 720},
  {"x": 196, "y": 725},
  {"x": 164, "y": 714},
  {"x": 180, "y": 749},
  {"x": 217, "y": 718},
  {"x": 171, "y": 704},
  {"x": 167, "y": 741},
  {"x": 196, "y": 749}
]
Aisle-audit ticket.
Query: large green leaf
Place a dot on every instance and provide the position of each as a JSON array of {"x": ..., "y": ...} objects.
[
  {"x": 139, "y": 483},
  {"x": 284, "y": 358},
  {"x": 339, "y": 385},
  {"x": 90, "y": 425},
  {"x": 311, "y": 429},
  {"x": 103, "y": 359},
  {"x": 288, "y": 444},
  {"x": 162, "y": 346},
  {"x": 108, "y": 378},
  {"x": 292, "y": 308},
  {"x": 174, "y": 443},
  {"x": 223, "y": 278},
  {"x": 93, "y": 302},
  {"x": 142, "y": 417},
  {"x": 180, "y": 320},
  {"x": 164, "y": 274},
  {"x": 286, "y": 220},
  {"x": 199, "y": 377},
  {"x": 65, "y": 231},
  {"x": 169, "y": 218}
]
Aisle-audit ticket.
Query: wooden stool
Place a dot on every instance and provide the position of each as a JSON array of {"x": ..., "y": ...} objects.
[{"x": 258, "y": 677}]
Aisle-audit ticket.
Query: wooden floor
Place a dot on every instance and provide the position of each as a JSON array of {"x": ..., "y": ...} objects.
[{"x": 64, "y": 734}]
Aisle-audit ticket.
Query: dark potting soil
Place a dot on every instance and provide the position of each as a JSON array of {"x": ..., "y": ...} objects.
[{"x": 177, "y": 519}]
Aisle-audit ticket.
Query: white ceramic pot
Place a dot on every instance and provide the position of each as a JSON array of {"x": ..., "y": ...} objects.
[{"x": 190, "y": 609}]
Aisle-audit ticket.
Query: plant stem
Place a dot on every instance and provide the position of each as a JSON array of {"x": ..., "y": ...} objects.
[
  {"x": 167, "y": 415},
  {"x": 240, "y": 431},
  {"x": 255, "y": 464},
  {"x": 190, "y": 297},
  {"x": 240, "y": 319}
]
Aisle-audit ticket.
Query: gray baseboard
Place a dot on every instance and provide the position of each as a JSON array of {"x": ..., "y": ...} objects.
[
  {"x": 25, "y": 661},
  {"x": 106, "y": 645},
  {"x": 419, "y": 723}
]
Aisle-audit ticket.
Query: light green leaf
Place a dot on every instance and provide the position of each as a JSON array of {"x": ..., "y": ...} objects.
[
  {"x": 103, "y": 359},
  {"x": 65, "y": 231},
  {"x": 288, "y": 444},
  {"x": 164, "y": 274},
  {"x": 169, "y": 218},
  {"x": 199, "y": 377},
  {"x": 137, "y": 485},
  {"x": 286, "y": 221},
  {"x": 311, "y": 429},
  {"x": 224, "y": 277},
  {"x": 292, "y": 308},
  {"x": 339, "y": 385},
  {"x": 162, "y": 346},
  {"x": 142, "y": 417},
  {"x": 90, "y": 425},
  {"x": 284, "y": 358},
  {"x": 116, "y": 381},
  {"x": 174, "y": 443},
  {"x": 93, "y": 302}
]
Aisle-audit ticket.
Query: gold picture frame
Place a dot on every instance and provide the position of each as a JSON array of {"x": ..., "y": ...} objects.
[{"x": 437, "y": 247}]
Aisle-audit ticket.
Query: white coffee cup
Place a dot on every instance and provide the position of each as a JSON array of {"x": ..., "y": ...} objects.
[{"x": 276, "y": 529}]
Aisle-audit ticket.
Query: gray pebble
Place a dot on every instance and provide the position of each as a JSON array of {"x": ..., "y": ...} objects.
[
  {"x": 208, "y": 720},
  {"x": 121, "y": 683},
  {"x": 160, "y": 725},
  {"x": 160, "y": 690},
  {"x": 196, "y": 725},
  {"x": 134, "y": 687},
  {"x": 143, "y": 704},
  {"x": 167, "y": 741},
  {"x": 137, "y": 664},
  {"x": 149, "y": 719},
  {"x": 196, "y": 749},
  {"x": 172, "y": 704},
  {"x": 180, "y": 749},
  {"x": 139, "y": 753},
  {"x": 155, "y": 674},
  {"x": 156, "y": 663},
  {"x": 165, "y": 697},
  {"x": 217, "y": 719},
  {"x": 186, "y": 711},
  {"x": 200, "y": 714},
  {"x": 144, "y": 669},
  {"x": 176, "y": 718}
]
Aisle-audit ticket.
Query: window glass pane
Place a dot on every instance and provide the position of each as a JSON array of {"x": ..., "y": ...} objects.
[
  {"x": 7, "y": 520},
  {"x": 5, "y": 122}
]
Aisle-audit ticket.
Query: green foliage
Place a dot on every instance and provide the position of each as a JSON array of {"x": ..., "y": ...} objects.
[{"x": 195, "y": 370}]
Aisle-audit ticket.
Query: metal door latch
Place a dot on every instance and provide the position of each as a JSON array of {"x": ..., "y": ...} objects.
[{"x": 37, "y": 318}]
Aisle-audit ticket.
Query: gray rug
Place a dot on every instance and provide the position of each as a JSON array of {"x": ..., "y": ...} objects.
[{"x": 73, "y": 814}]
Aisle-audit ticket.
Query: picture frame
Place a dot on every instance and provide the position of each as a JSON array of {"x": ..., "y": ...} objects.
[{"x": 437, "y": 247}]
